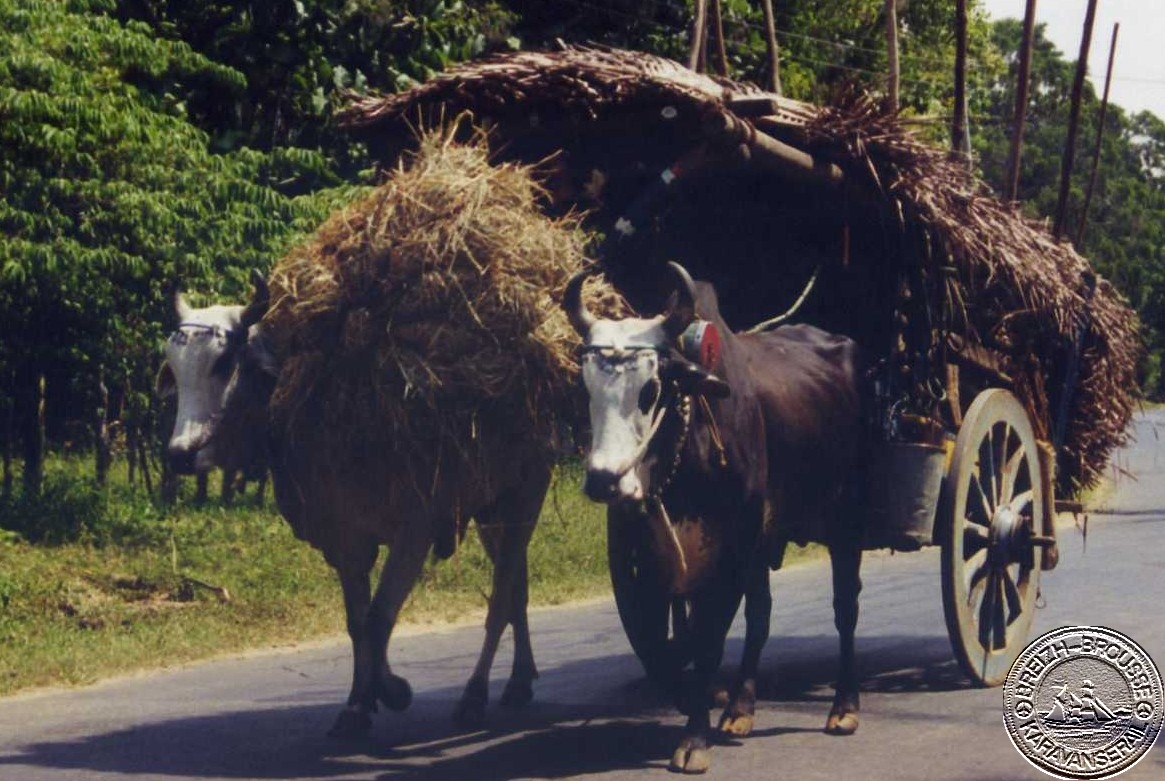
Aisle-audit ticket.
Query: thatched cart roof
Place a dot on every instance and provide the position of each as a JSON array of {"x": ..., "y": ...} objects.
[{"x": 771, "y": 189}]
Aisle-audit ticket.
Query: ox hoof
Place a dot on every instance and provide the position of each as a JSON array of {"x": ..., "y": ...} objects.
[
  {"x": 842, "y": 723},
  {"x": 394, "y": 692},
  {"x": 692, "y": 757},
  {"x": 517, "y": 694},
  {"x": 470, "y": 711},
  {"x": 737, "y": 725},
  {"x": 350, "y": 724}
]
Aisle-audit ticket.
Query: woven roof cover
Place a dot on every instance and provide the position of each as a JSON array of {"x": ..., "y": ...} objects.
[{"x": 1017, "y": 289}]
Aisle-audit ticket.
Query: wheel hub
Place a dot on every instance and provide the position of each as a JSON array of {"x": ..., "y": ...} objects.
[{"x": 1006, "y": 539}]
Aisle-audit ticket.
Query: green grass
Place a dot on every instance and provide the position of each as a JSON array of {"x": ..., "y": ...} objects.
[{"x": 115, "y": 584}]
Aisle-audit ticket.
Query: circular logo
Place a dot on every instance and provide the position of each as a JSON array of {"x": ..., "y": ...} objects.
[{"x": 1083, "y": 702}]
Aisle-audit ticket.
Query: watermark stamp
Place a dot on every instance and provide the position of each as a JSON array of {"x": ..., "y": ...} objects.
[{"x": 1083, "y": 702}]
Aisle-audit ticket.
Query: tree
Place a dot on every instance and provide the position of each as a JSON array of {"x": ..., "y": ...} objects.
[
  {"x": 110, "y": 197},
  {"x": 1125, "y": 238}
]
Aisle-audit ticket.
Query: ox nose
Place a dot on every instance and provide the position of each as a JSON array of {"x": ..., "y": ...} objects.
[
  {"x": 601, "y": 485},
  {"x": 181, "y": 460}
]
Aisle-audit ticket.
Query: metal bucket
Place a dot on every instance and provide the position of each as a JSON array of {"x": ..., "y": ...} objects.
[{"x": 903, "y": 494}]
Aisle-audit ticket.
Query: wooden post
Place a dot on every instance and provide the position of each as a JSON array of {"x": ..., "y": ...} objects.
[
  {"x": 1023, "y": 83},
  {"x": 33, "y": 435},
  {"x": 9, "y": 411},
  {"x": 960, "y": 128},
  {"x": 892, "y": 49},
  {"x": 699, "y": 25},
  {"x": 103, "y": 450},
  {"x": 1069, "y": 156},
  {"x": 716, "y": 27},
  {"x": 1116, "y": 28},
  {"x": 774, "y": 50}
]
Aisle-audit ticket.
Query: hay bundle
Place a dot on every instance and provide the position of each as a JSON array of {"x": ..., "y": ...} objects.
[
  {"x": 428, "y": 304},
  {"x": 1018, "y": 287}
]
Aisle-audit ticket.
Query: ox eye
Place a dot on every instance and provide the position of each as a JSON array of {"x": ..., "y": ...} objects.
[
  {"x": 223, "y": 365},
  {"x": 648, "y": 395}
]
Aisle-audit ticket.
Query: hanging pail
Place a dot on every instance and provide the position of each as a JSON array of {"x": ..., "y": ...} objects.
[{"x": 904, "y": 487}]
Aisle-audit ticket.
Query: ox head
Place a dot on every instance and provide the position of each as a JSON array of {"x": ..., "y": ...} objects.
[
  {"x": 202, "y": 360},
  {"x": 633, "y": 372}
]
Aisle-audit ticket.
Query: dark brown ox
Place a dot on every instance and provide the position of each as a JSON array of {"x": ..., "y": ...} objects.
[
  {"x": 348, "y": 507},
  {"x": 727, "y": 463}
]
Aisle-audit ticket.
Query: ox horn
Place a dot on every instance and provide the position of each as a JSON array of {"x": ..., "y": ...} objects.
[
  {"x": 682, "y": 304},
  {"x": 260, "y": 299},
  {"x": 580, "y": 317}
]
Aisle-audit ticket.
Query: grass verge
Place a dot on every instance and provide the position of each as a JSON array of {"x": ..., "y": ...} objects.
[{"x": 114, "y": 584}]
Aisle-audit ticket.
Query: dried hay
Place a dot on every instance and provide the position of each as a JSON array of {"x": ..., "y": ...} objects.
[
  {"x": 1018, "y": 288},
  {"x": 1015, "y": 288},
  {"x": 429, "y": 304}
]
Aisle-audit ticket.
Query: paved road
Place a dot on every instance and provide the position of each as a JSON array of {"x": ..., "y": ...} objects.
[{"x": 263, "y": 716}]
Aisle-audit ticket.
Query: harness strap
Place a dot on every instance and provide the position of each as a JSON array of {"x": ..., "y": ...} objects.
[{"x": 714, "y": 431}]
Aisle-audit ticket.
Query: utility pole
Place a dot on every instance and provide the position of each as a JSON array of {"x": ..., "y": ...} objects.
[
  {"x": 716, "y": 27},
  {"x": 1021, "y": 92},
  {"x": 892, "y": 49},
  {"x": 1069, "y": 155},
  {"x": 699, "y": 25},
  {"x": 1116, "y": 28},
  {"x": 774, "y": 51},
  {"x": 960, "y": 126}
]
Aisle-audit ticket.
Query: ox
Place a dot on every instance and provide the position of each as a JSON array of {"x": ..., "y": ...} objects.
[
  {"x": 225, "y": 374},
  {"x": 727, "y": 462}
]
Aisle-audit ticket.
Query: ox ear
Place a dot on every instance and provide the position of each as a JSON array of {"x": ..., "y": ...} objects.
[
  {"x": 260, "y": 299},
  {"x": 681, "y": 305},
  {"x": 695, "y": 380},
  {"x": 181, "y": 307},
  {"x": 165, "y": 384},
  {"x": 259, "y": 351}
]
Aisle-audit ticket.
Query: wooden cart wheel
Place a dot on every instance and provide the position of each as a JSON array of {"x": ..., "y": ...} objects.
[
  {"x": 992, "y": 501},
  {"x": 645, "y": 607}
]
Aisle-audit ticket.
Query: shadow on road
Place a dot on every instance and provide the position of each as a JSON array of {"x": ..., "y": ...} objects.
[{"x": 580, "y": 723}]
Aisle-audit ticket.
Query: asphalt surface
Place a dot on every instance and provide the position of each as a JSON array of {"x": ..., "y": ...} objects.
[{"x": 264, "y": 716}]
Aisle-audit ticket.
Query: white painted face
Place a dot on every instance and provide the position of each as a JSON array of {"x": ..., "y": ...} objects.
[
  {"x": 620, "y": 368},
  {"x": 197, "y": 368}
]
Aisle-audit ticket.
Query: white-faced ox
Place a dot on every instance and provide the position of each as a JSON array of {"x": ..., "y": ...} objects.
[
  {"x": 768, "y": 456},
  {"x": 347, "y": 505}
]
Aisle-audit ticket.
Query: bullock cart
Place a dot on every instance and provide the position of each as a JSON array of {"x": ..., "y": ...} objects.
[{"x": 1001, "y": 366}]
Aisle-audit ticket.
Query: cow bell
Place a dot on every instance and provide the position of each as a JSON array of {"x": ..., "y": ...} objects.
[{"x": 700, "y": 344}]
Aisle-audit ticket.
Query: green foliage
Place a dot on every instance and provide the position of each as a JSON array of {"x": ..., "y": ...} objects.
[
  {"x": 297, "y": 59},
  {"x": 1125, "y": 231},
  {"x": 111, "y": 197},
  {"x": 77, "y": 610}
]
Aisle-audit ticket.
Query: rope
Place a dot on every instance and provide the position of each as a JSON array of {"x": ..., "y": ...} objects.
[{"x": 768, "y": 325}]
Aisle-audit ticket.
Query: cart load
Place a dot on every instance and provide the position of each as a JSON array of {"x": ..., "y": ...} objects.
[
  {"x": 917, "y": 260},
  {"x": 1004, "y": 367},
  {"x": 428, "y": 305}
]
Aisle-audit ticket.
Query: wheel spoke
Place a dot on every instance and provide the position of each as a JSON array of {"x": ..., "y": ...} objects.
[
  {"x": 987, "y": 471},
  {"x": 999, "y": 618},
  {"x": 987, "y": 613},
  {"x": 1011, "y": 474},
  {"x": 977, "y": 578},
  {"x": 975, "y": 539},
  {"x": 1011, "y": 594},
  {"x": 979, "y": 505},
  {"x": 1022, "y": 500}
]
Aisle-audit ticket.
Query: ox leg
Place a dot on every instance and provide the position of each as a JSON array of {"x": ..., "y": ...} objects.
[
  {"x": 406, "y": 559},
  {"x": 505, "y": 530},
  {"x": 353, "y": 567},
  {"x": 712, "y": 613},
  {"x": 201, "y": 485},
  {"x": 846, "y": 559},
  {"x": 758, "y": 607}
]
